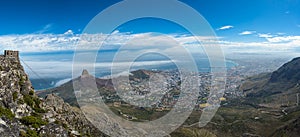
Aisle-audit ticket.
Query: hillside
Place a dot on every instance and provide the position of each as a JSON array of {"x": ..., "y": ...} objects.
[
  {"x": 276, "y": 89},
  {"x": 23, "y": 113},
  {"x": 275, "y": 94},
  {"x": 104, "y": 86},
  {"x": 66, "y": 90},
  {"x": 289, "y": 72}
]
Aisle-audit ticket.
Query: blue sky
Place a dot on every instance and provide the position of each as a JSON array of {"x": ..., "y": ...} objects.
[
  {"x": 48, "y": 16},
  {"x": 58, "y": 16},
  {"x": 49, "y": 25}
]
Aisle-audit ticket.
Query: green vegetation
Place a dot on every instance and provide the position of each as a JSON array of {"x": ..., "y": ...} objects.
[
  {"x": 34, "y": 102},
  {"x": 7, "y": 113},
  {"x": 65, "y": 125},
  {"x": 61, "y": 123},
  {"x": 192, "y": 132},
  {"x": 20, "y": 101},
  {"x": 39, "y": 110},
  {"x": 193, "y": 118},
  {"x": 29, "y": 100},
  {"x": 31, "y": 92},
  {"x": 57, "y": 122},
  {"x": 15, "y": 95},
  {"x": 21, "y": 81},
  {"x": 35, "y": 121},
  {"x": 141, "y": 114},
  {"x": 85, "y": 135},
  {"x": 29, "y": 133},
  {"x": 37, "y": 101},
  {"x": 22, "y": 134},
  {"x": 290, "y": 116},
  {"x": 32, "y": 133}
]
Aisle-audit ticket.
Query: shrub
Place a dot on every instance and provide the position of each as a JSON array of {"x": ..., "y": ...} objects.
[
  {"x": 31, "y": 133},
  {"x": 7, "y": 113},
  {"x": 39, "y": 110},
  {"x": 28, "y": 100},
  {"x": 34, "y": 103},
  {"x": 20, "y": 101},
  {"x": 34, "y": 114},
  {"x": 35, "y": 125},
  {"x": 65, "y": 125},
  {"x": 21, "y": 81},
  {"x": 57, "y": 122},
  {"x": 31, "y": 100},
  {"x": 37, "y": 101},
  {"x": 15, "y": 96},
  {"x": 34, "y": 121},
  {"x": 31, "y": 92},
  {"x": 22, "y": 134}
]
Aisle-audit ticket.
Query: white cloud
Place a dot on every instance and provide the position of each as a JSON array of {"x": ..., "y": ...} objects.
[
  {"x": 61, "y": 42},
  {"x": 280, "y": 33},
  {"x": 281, "y": 38},
  {"x": 136, "y": 42},
  {"x": 284, "y": 39},
  {"x": 247, "y": 32},
  {"x": 115, "y": 32},
  {"x": 69, "y": 32},
  {"x": 45, "y": 29},
  {"x": 226, "y": 27},
  {"x": 265, "y": 35}
]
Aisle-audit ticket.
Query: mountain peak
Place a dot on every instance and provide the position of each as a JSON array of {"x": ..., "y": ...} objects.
[{"x": 85, "y": 73}]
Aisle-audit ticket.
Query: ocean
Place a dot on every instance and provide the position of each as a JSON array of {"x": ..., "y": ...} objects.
[{"x": 51, "y": 69}]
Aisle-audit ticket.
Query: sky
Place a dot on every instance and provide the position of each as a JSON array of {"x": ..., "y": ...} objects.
[
  {"x": 232, "y": 20},
  {"x": 58, "y": 16},
  {"x": 47, "y": 31}
]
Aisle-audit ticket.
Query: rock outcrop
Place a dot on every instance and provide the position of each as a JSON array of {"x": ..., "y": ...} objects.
[
  {"x": 85, "y": 73},
  {"x": 23, "y": 113},
  {"x": 14, "y": 85}
]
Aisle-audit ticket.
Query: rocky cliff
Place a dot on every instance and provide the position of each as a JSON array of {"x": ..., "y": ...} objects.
[
  {"x": 289, "y": 72},
  {"x": 276, "y": 89},
  {"x": 22, "y": 113}
]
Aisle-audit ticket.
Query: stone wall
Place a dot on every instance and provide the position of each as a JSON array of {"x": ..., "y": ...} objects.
[{"x": 11, "y": 53}]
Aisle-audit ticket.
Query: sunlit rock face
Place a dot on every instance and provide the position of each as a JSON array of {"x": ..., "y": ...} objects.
[{"x": 23, "y": 113}]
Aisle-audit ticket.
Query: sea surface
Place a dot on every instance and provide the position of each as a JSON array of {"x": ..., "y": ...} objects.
[{"x": 49, "y": 70}]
